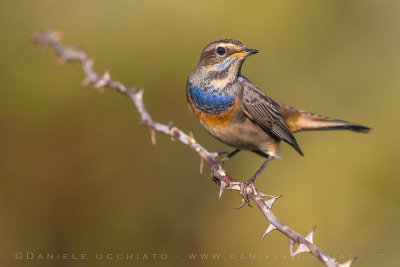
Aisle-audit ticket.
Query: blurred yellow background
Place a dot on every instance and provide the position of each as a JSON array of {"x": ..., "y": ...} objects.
[{"x": 79, "y": 174}]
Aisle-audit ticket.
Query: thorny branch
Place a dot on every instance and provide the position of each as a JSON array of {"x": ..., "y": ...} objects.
[{"x": 218, "y": 173}]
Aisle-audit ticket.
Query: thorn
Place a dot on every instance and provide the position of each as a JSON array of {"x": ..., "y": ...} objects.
[
  {"x": 309, "y": 237},
  {"x": 107, "y": 73},
  {"x": 222, "y": 188},
  {"x": 301, "y": 248},
  {"x": 269, "y": 229},
  {"x": 170, "y": 125},
  {"x": 191, "y": 138},
  {"x": 221, "y": 153},
  {"x": 233, "y": 186},
  {"x": 271, "y": 201},
  {"x": 153, "y": 136},
  {"x": 139, "y": 94},
  {"x": 89, "y": 63},
  {"x": 264, "y": 195},
  {"x": 57, "y": 35},
  {"x": 291, "y": 244},
  {"x": 103, "y": 80},
  {"x": 85, "y": 82},
  {"x": 348, "y": 263},
  {"x": 201, "y": 165}
]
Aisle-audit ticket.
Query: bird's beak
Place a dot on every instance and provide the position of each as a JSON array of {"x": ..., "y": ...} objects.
[
  {"x": 250, "y": 52},
  {"x": 245, "y": 53}
]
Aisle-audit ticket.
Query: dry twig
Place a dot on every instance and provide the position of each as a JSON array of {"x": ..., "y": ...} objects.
[{"x": 218, "y": 173}]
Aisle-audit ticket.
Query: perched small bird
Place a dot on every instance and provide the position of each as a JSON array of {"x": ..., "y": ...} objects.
[{"x": 233, "y": 110}]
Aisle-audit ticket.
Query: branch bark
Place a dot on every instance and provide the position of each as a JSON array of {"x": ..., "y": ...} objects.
[{"x": 218, "y": 173}]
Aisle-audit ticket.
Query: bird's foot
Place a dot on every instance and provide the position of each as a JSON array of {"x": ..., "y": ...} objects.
[{"x": 244, "y": 188}]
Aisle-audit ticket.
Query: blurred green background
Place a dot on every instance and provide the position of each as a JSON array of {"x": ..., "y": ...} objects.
[{"x": 79, "y": 174}]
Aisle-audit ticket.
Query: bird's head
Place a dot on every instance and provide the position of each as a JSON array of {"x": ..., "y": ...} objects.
[{"x": 225, "y": 56}]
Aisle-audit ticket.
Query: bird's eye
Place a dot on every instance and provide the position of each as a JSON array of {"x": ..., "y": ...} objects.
[{"x": 220, "y": 50}]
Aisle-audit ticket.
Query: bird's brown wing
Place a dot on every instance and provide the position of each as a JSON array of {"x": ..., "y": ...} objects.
[{"x": 263, "y": 112}]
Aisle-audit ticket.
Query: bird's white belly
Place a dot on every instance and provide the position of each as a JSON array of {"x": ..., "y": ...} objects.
[{"x": 244, "y": 135}]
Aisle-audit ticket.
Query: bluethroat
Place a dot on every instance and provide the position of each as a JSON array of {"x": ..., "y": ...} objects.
[{"x": 236, "y": 112}]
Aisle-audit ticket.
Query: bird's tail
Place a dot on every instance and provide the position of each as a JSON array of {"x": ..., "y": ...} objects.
[{"x": 299, "y": 120}]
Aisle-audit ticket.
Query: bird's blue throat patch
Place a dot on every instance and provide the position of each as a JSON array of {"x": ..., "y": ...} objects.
[{"x": 210, "y": 101}]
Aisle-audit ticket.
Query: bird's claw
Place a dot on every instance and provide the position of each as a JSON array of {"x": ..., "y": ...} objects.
[{"x": 243, "y": 193}]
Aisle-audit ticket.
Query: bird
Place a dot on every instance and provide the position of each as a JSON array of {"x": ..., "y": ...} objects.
[{"x": 237, "y": 113}]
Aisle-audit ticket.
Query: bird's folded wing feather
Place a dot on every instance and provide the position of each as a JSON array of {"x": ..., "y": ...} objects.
[{"x": 263, "y": 111}]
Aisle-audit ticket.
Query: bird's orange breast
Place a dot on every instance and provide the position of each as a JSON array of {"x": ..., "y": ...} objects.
[{"x": 215, "y": 120}]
